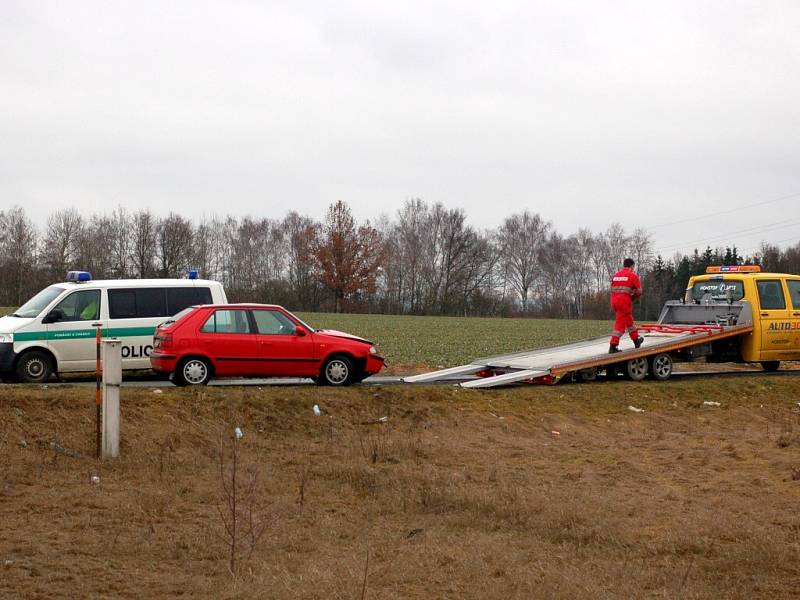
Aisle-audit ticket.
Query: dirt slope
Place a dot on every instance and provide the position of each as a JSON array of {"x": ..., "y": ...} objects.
[{"x": 551, "y": 492}]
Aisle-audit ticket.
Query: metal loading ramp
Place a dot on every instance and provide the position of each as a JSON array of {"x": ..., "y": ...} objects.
[{"x": 548, "y": 365}]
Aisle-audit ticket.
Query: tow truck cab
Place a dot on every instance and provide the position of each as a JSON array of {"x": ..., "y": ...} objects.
[{"x": 775, "y": 302}]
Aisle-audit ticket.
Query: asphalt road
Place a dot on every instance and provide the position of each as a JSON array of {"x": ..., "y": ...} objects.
[{"x": 145, "y": 381}]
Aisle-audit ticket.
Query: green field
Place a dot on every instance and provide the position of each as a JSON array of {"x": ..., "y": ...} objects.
[{"x": 449, "y": 341}]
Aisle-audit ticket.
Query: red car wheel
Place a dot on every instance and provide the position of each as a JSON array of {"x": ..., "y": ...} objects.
[
  {"x": 337, "y": 370},
  {"x": 193, "y": 371}
]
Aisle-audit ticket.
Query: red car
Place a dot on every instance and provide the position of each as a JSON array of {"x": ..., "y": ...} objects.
[{"x": 257, "y": 340}]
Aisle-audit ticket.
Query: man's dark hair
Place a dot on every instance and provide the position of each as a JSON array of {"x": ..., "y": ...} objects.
[{"x": 628, "y": 263}]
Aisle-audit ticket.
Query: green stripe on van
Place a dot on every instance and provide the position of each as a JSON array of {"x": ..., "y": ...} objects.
[{"x": 75, "y": 334}]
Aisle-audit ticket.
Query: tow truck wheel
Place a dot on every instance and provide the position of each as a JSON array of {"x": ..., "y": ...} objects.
[
  {"x": 770, "y": 366},
  {"x": 661, "y": 367},
  {"x": 586, "y": 375},
  {"x": 34, "y": 367},
  {"x": 636, "y": 369}
]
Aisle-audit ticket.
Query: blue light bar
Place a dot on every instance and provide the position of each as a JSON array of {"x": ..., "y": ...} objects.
[
  {"x": 79, "y": 276},
  {"x": 192, "y": 275}
]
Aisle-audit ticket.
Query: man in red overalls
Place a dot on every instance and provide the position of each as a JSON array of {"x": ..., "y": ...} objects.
[{"x": 625, "y": 288}]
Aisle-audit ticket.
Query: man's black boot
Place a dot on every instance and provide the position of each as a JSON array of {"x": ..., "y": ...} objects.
[
  {"x": 612, "y": 349},
  {"x": 638, "y": 342}
]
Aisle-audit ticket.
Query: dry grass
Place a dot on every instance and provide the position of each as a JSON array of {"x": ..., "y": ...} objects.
[{"x": 544, "y": 492}]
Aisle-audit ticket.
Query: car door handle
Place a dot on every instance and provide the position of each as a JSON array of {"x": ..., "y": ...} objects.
[
  {"x": 796, "y": 314},
  {"x": 97, "y": 324},
  {"x": 266, "y": 343},
  {"x": 763, "y": 314}
]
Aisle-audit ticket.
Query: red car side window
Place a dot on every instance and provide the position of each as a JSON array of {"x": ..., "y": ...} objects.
[
  {"x": 227, "y": 321},
  {"x": 273, "y": 322}
]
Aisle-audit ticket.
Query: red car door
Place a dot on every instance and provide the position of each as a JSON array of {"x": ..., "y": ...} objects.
[
  {"x": 226, "y": 337},
  {"x": 284, "y": 352}
]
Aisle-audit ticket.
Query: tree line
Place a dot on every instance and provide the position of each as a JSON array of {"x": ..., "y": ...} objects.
[{"x": 426, "y": 259}]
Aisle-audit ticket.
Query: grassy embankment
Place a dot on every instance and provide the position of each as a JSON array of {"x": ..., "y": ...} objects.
[{"x": 532, "y": 492}]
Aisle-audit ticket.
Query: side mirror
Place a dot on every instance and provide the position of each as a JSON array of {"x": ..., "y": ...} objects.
[
  {"x": 54, "y": 315},
  {"x": 299, "y": 331}
]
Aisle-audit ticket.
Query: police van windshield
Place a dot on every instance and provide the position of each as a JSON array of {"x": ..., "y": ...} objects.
[
  {"x": 717, "y": 290},
  {"x": 39, "y": 302}
]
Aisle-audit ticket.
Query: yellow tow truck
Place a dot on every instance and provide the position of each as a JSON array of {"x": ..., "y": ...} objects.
[
  {"x": 729, "y": 314},
  {"x": 775, "y": 302}
]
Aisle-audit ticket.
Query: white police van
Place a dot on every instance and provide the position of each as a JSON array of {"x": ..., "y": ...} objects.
[{"x": 55, "y": 331}]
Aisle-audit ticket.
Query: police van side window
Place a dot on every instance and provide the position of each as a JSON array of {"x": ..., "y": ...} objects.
[
  {"x": 151, "y": 302},
  {"x": 79, "y": 306},
  {"x": 183, "y": 297},
  {"x": 770, "y": 295},
  {"x": 132, "y": 303},
  {"x": 121, "y": 304}
]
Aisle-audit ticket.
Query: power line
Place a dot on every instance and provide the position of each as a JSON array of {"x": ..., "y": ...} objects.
[
  {"x": 724, "y": 212},
  {"x": 730, "y": 234},
  {"x": 754, "y": 248}
]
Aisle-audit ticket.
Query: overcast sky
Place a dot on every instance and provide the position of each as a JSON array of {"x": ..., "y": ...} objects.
[{"x": 646, "y": 113}]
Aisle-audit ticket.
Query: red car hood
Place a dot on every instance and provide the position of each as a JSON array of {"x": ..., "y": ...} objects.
[{"x": 341, "y": 334}]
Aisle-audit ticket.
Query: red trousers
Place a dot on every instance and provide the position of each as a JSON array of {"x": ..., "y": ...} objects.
[{"x": 623, "y": 309}]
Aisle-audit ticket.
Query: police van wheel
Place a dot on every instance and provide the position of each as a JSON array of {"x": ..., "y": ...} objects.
[
  {"x": 661, "y": 367},
  {"x": 193, "y": 371},
  {"x": 34, "y": 367},
  {"x": 636, "y": 369},
  {"x": 770, "y": 366}
]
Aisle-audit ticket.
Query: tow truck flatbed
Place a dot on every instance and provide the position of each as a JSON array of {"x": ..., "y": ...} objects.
[{"x": 701, "y": 325}]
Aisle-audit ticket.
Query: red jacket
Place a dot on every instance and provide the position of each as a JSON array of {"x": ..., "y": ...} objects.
[{"x": 626, "y": 283}]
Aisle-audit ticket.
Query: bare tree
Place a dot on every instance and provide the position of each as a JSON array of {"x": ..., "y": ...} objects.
[
  {"x": 300, "y": 233},
  {"x": 478, "y": 268},
  {"x": 121, "y": 243},
  {"x": 145, "y": 230},
  {"x": 259, "y": 259},
  {"x": 174, "y": 235},
  {"x": 409, "y": 233},
  {"x": 555, "y": 265},
  {"x": 581, "y": 249},
  {"x": 616, "y": 248},
  {"x": 95, "y": 240},
  {"x": 18, "y": 240},
  {"x": 459, "y": 244},
  {"x": 61, "y": 242},
  {"x": 521, "y": 237},
  {"x": 640, "y": 248}
]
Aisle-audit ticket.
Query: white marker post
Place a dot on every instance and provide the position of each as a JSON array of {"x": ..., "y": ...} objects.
[{"x": 112, "y": 379}]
